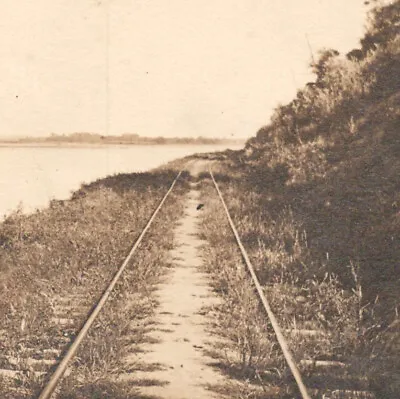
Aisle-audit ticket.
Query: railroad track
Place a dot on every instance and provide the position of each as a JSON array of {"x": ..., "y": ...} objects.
[
  {"x": 75, "y": 314},
  {"x": 323, "y": 369}
]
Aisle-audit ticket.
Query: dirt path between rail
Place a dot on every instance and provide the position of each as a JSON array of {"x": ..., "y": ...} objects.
[{"x": 173, "y": 361}]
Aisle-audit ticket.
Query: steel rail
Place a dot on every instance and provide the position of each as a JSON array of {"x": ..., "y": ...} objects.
[
  {"x": 278, "y": 332},
  {"x": 62, "y": 366}
]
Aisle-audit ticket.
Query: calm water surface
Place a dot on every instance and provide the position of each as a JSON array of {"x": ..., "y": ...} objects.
[{"x": 31, "y": 176}]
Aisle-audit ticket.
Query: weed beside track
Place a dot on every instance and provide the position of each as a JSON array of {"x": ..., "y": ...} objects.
[
  {"x": 115, "y": 335},
  {"x": 322, "y": 321},
  {"x": 250, "y": 351},
  {"x": 72, "y": 249}
]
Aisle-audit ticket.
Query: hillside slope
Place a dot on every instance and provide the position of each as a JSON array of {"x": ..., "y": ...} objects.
[
  {"x": 316, "y": 193},
  {"x": 333, "y": 156}
]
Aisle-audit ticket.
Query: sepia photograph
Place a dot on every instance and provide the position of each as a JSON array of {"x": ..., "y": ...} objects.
[{"x": 200, "y": 199}]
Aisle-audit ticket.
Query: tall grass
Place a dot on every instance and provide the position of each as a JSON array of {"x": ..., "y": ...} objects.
[
  {"x": 303, "y": 292},
  {"x": 248, "y": 347},
  {"x": 101, "y": 359},
  {"x": 74, "y": 245}
]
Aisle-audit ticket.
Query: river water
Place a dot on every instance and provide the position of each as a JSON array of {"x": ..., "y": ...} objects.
[{"x": 31, "y": 176}]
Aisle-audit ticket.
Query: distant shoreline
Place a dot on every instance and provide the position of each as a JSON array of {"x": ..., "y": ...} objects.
[
  {"x": 99, "y": 145},
  {"x": 94, "y": 140}
]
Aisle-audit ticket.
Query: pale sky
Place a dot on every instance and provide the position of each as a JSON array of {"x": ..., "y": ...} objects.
[{"x": 175, "y": 67}]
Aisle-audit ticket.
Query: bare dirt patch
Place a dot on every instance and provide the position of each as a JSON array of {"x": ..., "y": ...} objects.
[{"x": 173, "y": 360}]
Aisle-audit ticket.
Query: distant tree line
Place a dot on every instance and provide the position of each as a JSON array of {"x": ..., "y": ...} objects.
[{"x": 127, "y": 138}]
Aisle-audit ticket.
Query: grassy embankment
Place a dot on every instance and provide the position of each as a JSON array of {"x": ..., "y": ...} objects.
[
  {"x": 315, "y": 196},
  {"x": 75, "y": 246},
  {"x": 300, "y": 299},
  {"x": 247, "y": 345}
]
